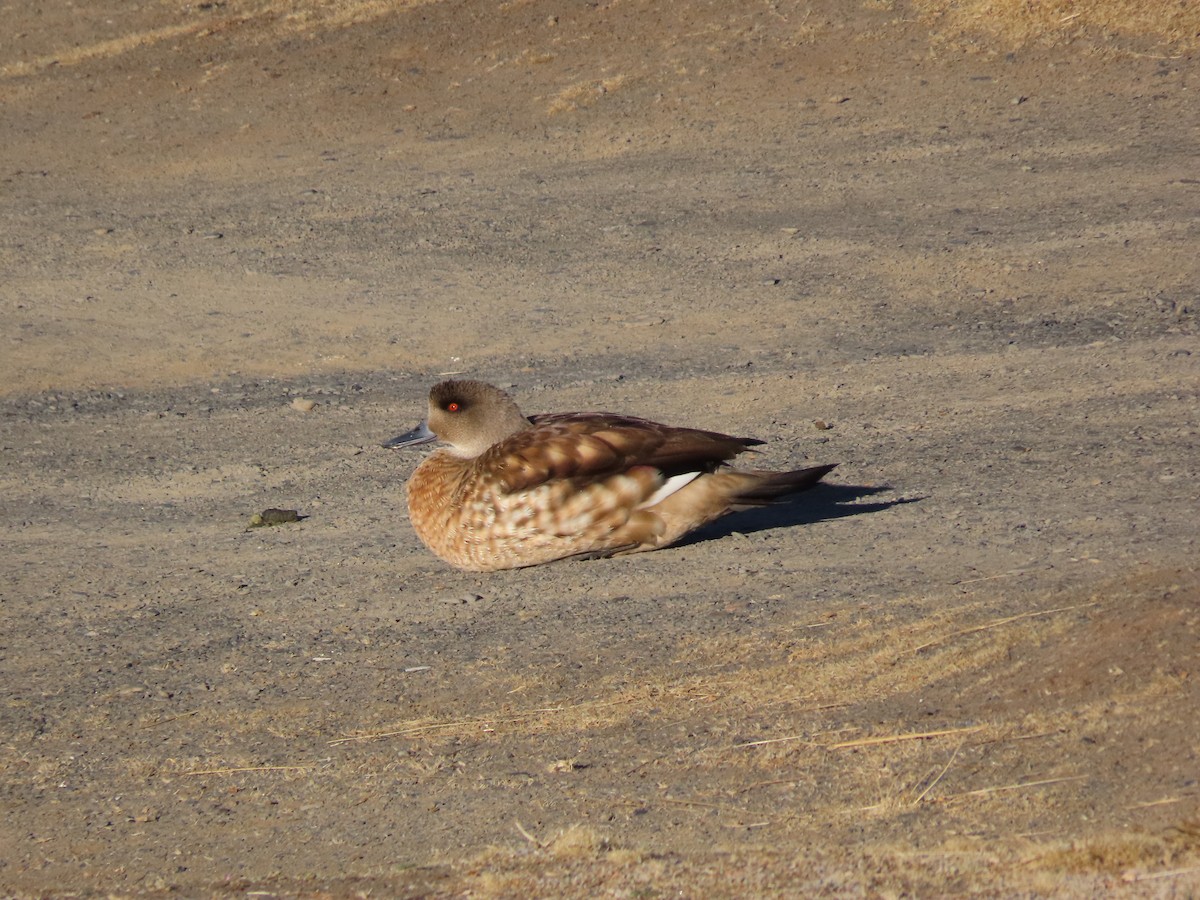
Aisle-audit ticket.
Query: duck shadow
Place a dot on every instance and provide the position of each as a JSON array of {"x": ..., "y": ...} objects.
[{"x": 821, "y": 503}]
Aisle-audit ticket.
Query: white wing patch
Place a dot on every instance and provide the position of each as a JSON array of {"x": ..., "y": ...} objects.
[{"x": 670, "y": 486}]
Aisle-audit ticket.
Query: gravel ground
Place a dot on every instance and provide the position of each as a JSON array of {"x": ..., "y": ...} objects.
[{"x": 968, "y": 664}]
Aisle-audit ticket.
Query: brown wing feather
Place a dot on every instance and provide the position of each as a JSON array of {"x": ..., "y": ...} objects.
[{"x": 589, "y": 446}]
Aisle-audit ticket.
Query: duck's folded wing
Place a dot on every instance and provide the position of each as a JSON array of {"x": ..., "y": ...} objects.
[{"x": 589, "y": 446}]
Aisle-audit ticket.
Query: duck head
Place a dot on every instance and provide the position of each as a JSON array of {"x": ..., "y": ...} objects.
[{"x": 468, "y": 416}]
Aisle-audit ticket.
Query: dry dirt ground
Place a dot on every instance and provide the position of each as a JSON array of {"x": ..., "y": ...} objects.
[{"x": 968, "y": 665}]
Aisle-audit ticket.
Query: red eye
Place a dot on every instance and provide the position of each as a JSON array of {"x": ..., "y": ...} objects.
[{"x": 451, "y": 406}]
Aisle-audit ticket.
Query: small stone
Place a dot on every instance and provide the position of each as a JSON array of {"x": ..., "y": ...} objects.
[
  {"x": 303, "y": 404},
  {"x": 270, "y": 517},
  {"x": 822, "y": 425}
]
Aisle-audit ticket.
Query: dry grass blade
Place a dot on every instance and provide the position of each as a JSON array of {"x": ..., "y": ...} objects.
[
  {"x": 982, "y": 792},
  {"x": 1165, "y": 801},
  {"x": 416, "y": 729},
  {"x": 1174, "y": 873},
  {"x": 998, "y": 622},
  {"x": 804, "y": 709},
  {"x": 170, "y": 719},
  {"x": 778, "y": 740},
  {"x": 759, "y": 815},
  {"x": 235, "y": 770},
  {"x": 702, "y": 803},
  {"x": 529, "y": 837},
  {"x": 1009, "y": 574},
  {"x": 946, "y": 768},
  {"x": 896, "y": 738}
]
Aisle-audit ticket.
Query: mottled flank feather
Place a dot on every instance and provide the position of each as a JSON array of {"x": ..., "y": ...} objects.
[{"x": 510, "y": 491}]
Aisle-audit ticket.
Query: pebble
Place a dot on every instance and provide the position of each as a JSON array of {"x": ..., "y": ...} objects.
[
  {"x": 270, "y": 517},
  {"x": 303, "y": 404}
]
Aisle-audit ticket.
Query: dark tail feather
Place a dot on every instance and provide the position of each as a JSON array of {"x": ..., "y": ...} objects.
[{"x": 775, "y": 486}]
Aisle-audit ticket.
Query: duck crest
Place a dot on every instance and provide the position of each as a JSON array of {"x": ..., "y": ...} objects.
[{"x": 509, "y": 491}]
